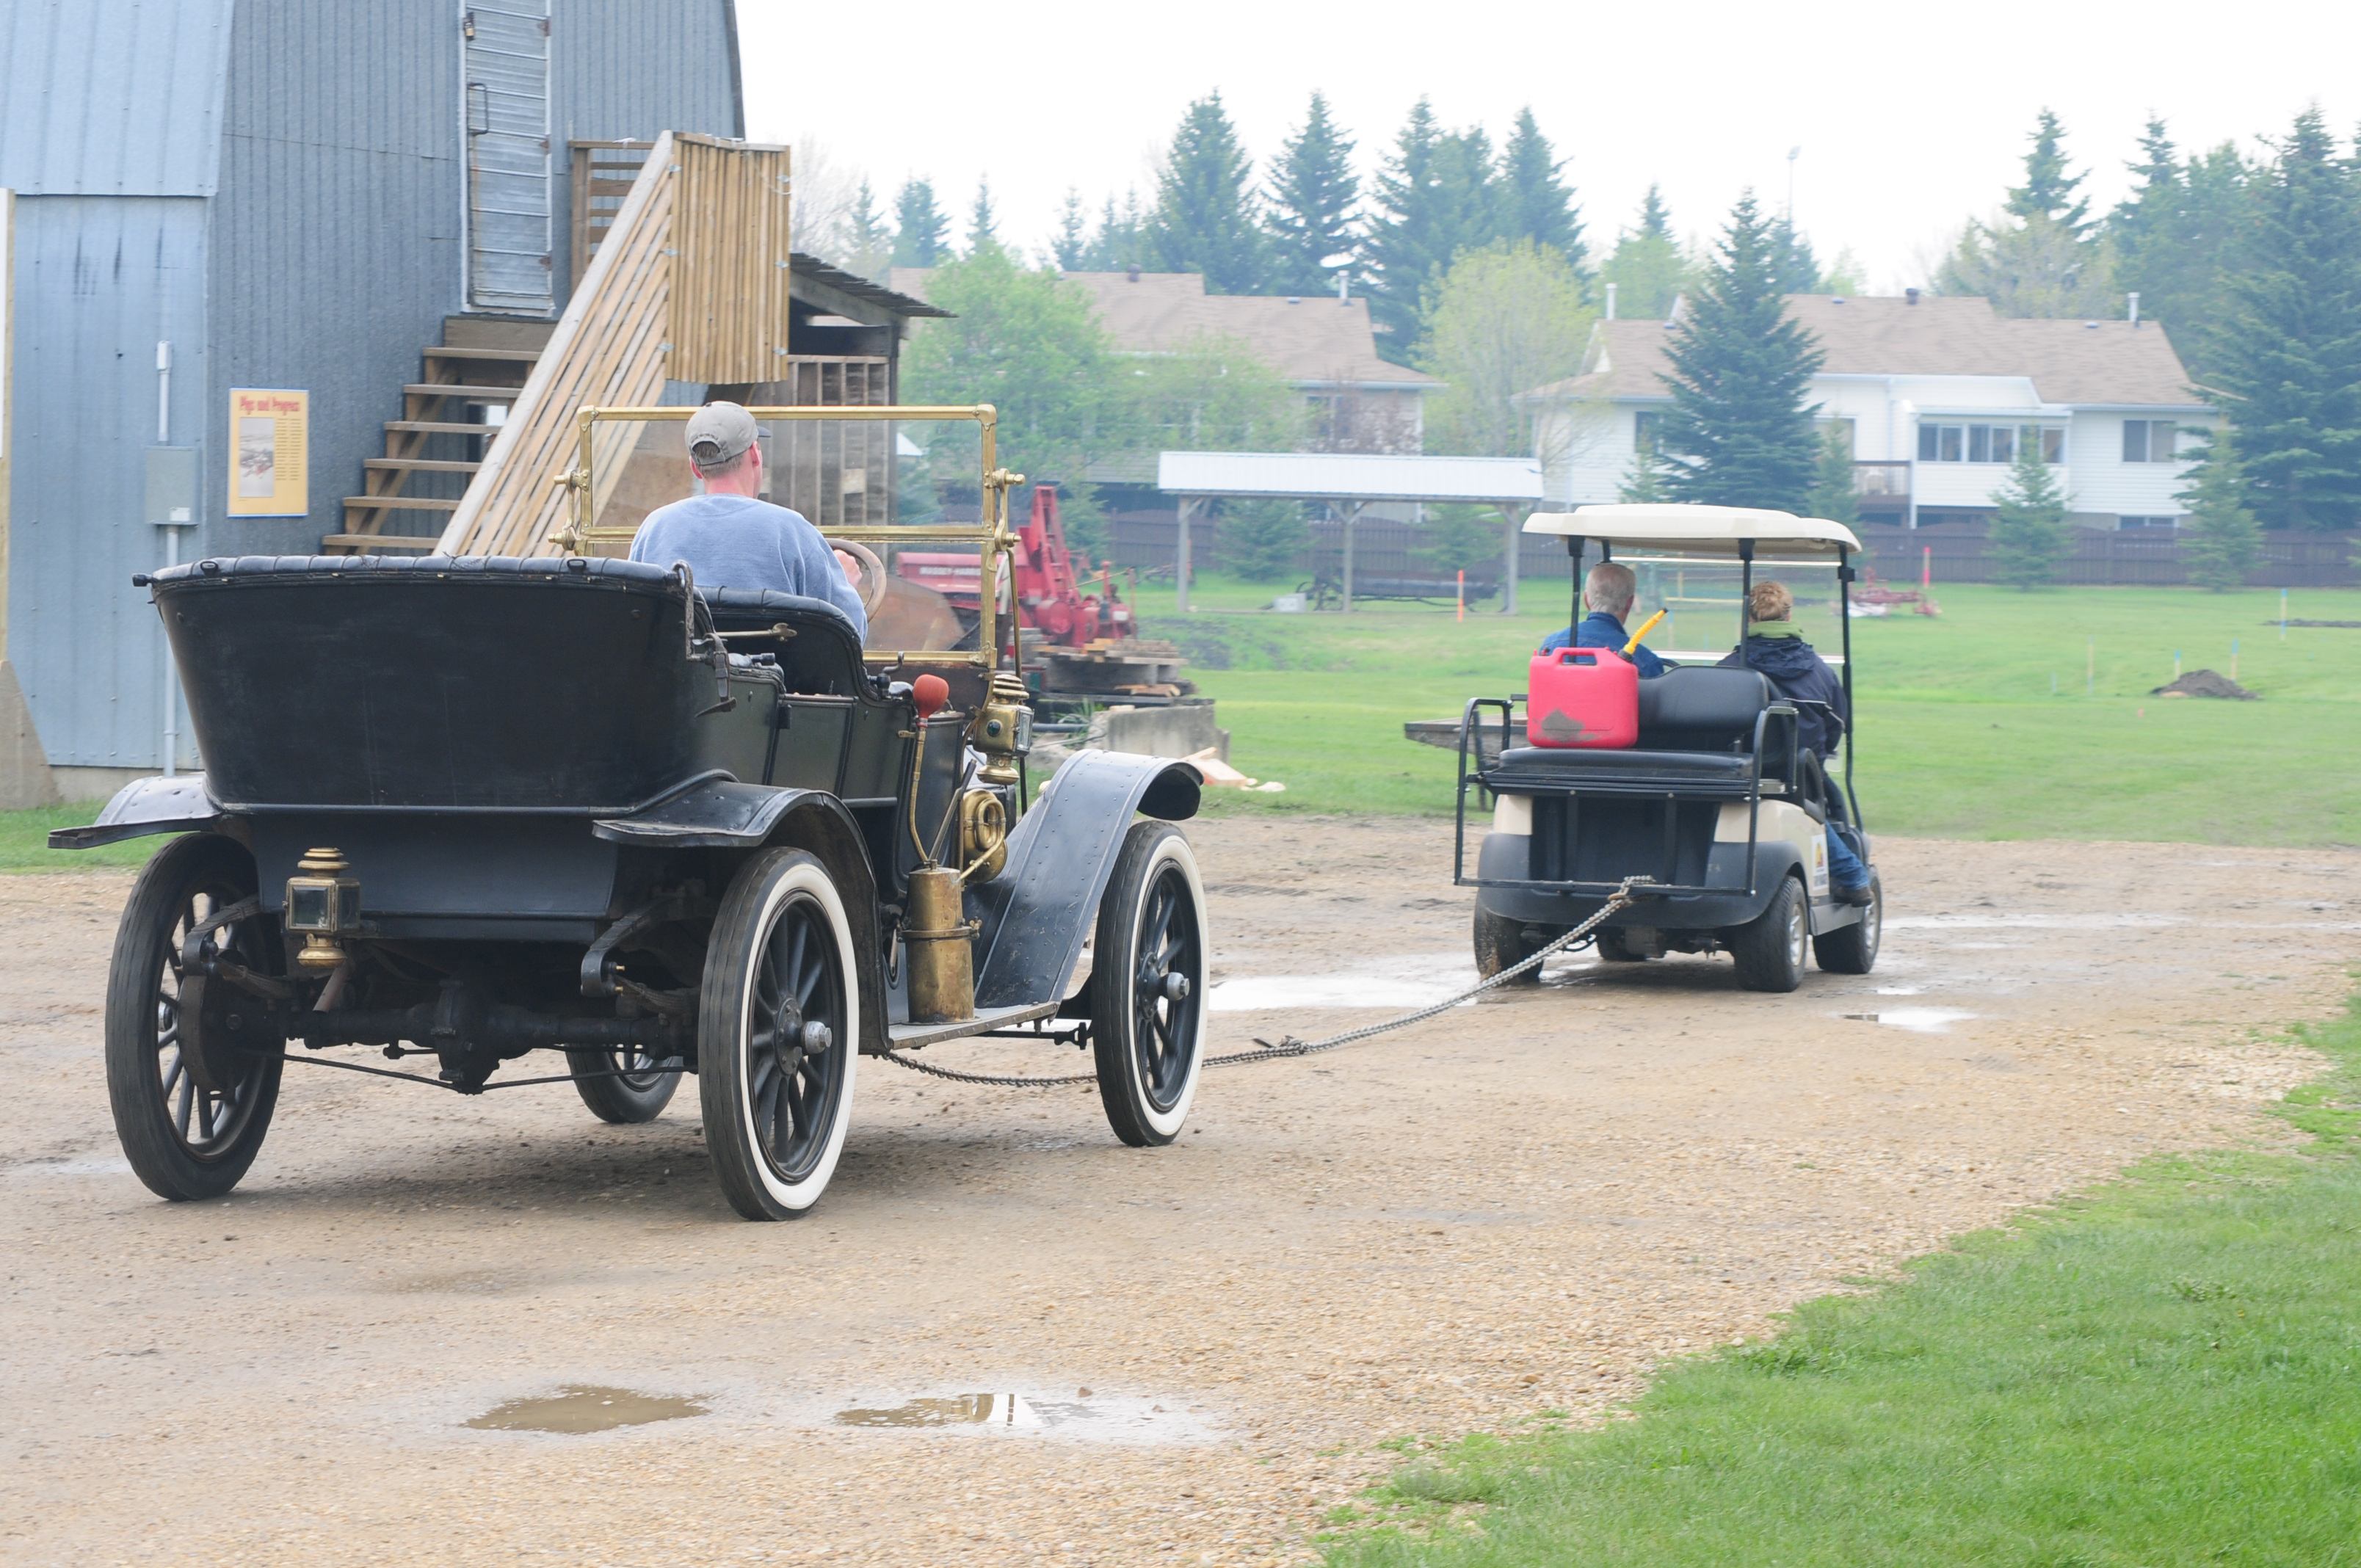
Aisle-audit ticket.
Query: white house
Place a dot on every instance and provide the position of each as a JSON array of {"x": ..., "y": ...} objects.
[{"x": 1935, "y": 395}]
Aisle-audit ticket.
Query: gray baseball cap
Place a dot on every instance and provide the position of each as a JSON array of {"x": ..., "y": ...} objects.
[{"x": 719, "y": 433}]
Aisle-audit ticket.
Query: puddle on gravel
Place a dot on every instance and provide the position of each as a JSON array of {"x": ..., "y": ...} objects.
[
  {"x": 1091, "y": 1418},
  {"x": 580, "y": 1408},
  {"x": 1917, "y": 1019}
]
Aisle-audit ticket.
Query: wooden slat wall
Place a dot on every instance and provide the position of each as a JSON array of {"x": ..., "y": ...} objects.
[
  {"x": 730, "y": 276},
  {"x": 609, "y": 349}
]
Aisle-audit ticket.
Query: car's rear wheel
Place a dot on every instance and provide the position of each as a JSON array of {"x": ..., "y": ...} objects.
[
  {"x": 191, "y": 1075},
  {"x": 1853, "y": 949},
  {"x": 778, "y": 1033},
  {"x": 1503, "y": 943},
  {"x": 1147, "y": 986},
  {"x": 623, "y": 1086},
  {"x": 1770, "y": 948}
]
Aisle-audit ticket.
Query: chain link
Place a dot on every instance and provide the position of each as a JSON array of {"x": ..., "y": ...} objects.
[{"x": 1288, "y": 1045}]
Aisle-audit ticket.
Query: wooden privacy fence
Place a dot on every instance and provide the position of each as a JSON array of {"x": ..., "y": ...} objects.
[
  {"x": 1382, "y": 547},
  {"x": 1961, "y": 553},
  {"x": 688, "y": 282}
]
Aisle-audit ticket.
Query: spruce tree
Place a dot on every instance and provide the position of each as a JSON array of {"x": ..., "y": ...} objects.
[
  {"x": 1797, "y": 268},
  {"x": 1068, "y": 247},
  {"x": 2028, "y": 536},
  {"x": 1312, "y": 189},
  {"x": 983, "y": 232},
  {"x": 868, "y": 244},
  {"x": 2179, "y": 234},
  {"x": 1203, "y": 220},
  {"x": 1260, "y": 541},
  {"x": 1116, "y": 244},
  {"x": 1835, "y": 494},
  {"x": 921, "y": 232},
  {"x": 2286, "y": 365},
  {"x": 1405, "y": 233},
  {"x": 1647, "y": 267},
  {"x": 1740, "y": 431},
  {"x": 1643, "y": 482},
  {"x": 1470, "y": 207},
  {"x": 2048, "y": 191},
  {"x": 2221, "y": 543},
  {"x": 1537, "y": 204}
]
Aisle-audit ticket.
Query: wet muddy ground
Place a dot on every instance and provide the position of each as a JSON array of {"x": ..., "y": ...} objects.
[{"x": 435, "y": 1329}]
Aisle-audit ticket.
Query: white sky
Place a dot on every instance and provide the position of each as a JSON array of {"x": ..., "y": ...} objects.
[{"x": 1911, "y": 117}]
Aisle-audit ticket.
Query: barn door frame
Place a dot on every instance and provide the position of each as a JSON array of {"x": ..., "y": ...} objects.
[{"x": 508, "y": 207}]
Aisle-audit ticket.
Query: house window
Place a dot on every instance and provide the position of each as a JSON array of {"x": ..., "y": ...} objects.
[
  {"x": 2149, "y": 440},
  {"x": 1987, "y": 443},
  {"x": 2128, "y": 523},
  {"x": 1647, "y": 427}
]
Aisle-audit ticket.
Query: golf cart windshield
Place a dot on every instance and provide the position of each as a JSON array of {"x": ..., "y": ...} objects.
[{"x": 919, "y": 486}]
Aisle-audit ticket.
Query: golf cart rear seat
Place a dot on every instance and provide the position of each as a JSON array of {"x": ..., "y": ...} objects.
[{"x": 1698, "y": 724}]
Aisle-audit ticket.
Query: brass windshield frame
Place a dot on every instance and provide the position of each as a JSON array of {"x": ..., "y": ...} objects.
[{"x": 992, "y": 537}]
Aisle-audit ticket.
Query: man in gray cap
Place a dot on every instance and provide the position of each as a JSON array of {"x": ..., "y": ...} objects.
[{"x": 731, "y": 538}]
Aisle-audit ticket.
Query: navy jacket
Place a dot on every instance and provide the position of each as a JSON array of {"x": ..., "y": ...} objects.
[
  {"x": 1797, "y": 672},
  {"x": 1600, "y": 630}
]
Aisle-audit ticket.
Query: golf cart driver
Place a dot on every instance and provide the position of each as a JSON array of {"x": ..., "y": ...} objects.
[
  {"x": 1775, "y": 646},
  {"x": 1608, "y": 593}
]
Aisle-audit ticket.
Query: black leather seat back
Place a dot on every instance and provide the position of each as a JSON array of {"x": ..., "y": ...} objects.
[{"x": 1702, "y": 708}]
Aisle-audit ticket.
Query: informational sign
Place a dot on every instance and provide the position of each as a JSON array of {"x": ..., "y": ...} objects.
[{"x": 270, "y": 452}]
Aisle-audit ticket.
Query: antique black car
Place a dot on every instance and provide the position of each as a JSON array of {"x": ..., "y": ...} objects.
[{"x": 466, "y": 808}]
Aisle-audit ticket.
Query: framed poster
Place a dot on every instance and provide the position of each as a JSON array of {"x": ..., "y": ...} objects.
[{"x": 270, "y": 452}]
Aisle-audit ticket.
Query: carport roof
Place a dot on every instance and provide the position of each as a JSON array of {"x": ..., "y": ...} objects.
[{"x": 1350, "y": 476}]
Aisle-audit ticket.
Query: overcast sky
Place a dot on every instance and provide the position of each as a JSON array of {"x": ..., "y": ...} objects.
[{"x": 1910, "y": 117}]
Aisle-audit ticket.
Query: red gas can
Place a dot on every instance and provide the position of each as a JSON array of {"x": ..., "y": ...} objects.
[{"x": 1582, "y": 697}]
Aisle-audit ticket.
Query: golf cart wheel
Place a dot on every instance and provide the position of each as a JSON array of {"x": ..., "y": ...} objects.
[
  {"x": 1613, "y": 950},
  {"x": 1147, "y": 986},
  {"x": 1770, "y": 948},
  {"x": 778, "y": 1033},
  {"x": 629, "y": 1087},
  {"x": 1853, "y": 949},
  {"x": 1503, "y": 943},
  {"x": 190, "y": 1123}
]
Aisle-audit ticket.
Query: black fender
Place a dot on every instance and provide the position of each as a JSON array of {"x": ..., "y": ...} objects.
[
  {"x": 177, "y": 805},
  {"x": 721, "y": 814},
  {"x": 1036, "y": 911}
]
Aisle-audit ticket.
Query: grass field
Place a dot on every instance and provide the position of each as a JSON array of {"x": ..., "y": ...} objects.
[
  {"x": 1960, "y": 732},
  {"x": 2161, "y": 1372},
  {"x": 1961, "y": 735}
]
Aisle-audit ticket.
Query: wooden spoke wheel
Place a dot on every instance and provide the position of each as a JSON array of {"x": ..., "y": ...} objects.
[
  {"x": 191, "y": 1074},
  {"x": 778, "y": 1035},
  {"x": 1147, "y": 986}
]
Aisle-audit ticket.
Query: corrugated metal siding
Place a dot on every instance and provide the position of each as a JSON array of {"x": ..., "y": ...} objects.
[
  {"x": 100, "y": 281},
  {"x": 335, "y": 234},
  {"x": 114, "y": 97},
  {"x": 624, "y": 69}
]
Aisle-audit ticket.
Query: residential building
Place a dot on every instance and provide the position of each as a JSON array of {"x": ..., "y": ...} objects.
[{"x": 1933, "y": 395}]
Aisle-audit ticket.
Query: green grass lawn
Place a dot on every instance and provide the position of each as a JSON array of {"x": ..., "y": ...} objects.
[
  {"x": 2166, "y": 1372},
  {"x": 23, "y": 841},
  {"x": 1960, "y": 732}
]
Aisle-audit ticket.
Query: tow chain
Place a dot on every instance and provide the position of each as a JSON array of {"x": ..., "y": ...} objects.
[{"x": 1287, "y": 1046}]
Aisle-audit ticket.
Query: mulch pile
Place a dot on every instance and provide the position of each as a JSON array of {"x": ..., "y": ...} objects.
[{"x": 2205, "y": 682}]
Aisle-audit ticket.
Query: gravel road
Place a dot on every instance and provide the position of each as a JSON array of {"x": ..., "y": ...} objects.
[{"x": 1186, "y": 1354}]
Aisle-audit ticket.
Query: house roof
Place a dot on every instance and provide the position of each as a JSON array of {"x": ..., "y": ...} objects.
[
  {"x": 1350, "y": 476},
  {"x": 2106, "y": 364},
  {"x": 1310, "y": 340}
]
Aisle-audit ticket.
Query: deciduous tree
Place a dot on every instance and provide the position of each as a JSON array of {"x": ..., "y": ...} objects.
[{"x": 1504, "y": 319}]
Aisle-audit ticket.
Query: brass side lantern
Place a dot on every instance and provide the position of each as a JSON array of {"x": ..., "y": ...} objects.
[{"x": 324, "y": 903}]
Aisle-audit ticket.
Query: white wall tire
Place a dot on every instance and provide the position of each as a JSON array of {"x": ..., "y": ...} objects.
[
  {"x": 777, "y": 1099},
  {"x": 1147, "y": 986}
]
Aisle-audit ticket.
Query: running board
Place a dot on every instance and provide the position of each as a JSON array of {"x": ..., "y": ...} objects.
[{"x": 914, "y": 1035}]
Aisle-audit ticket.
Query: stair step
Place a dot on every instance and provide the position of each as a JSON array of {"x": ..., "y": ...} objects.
[
  {"x": 404, "y": 503},
  {"x": 379, "y": 541},
  {"x": 461, "y": 389},
  {"x": 438, "y": 427},
  {"x": 483, "y": 356},
  {"x": 419, "y": 465}
]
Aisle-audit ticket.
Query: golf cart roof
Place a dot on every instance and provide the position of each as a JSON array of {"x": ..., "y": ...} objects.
[{"x": 1697, "y": 530}]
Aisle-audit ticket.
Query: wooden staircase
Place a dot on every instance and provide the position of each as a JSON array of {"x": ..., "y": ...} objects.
[{"x": 409, "y": 494}]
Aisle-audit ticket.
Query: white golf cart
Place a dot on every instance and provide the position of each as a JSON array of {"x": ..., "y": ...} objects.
[{"x": 1716, "y": 803}]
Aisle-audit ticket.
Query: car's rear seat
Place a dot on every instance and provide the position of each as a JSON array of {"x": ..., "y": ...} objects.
[{"x": 1696, "y": 722}]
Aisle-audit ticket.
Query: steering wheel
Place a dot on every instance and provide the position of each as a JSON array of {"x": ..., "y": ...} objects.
[{"x": 873, "y": 572}]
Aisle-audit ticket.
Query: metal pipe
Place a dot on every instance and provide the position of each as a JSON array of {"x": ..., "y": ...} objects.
[
  {"x": 1844, "y": 614},
  {"x": 501, "y": 1027}
]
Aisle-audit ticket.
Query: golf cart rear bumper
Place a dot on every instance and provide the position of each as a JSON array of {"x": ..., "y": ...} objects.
[{"x": 1504, "y": 887}]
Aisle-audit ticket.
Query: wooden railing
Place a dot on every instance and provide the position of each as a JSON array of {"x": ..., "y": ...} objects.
[{"x": 686, "y": 281}]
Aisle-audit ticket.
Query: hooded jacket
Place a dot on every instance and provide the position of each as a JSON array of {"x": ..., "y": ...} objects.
[{"x": 1780, "y": 652}]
